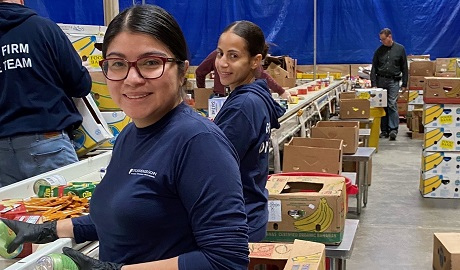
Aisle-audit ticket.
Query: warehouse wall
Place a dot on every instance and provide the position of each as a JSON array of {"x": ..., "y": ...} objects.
[{"x": 347, "y": 29}]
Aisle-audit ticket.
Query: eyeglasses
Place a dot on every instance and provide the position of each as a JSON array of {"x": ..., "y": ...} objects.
[{"x": 149, "y": 67}]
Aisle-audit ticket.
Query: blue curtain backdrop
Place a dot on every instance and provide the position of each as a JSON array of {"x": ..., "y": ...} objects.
[{"x": 347, "y": 29}]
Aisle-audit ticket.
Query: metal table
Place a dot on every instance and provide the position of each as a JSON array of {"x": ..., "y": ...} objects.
[
  {"x": 362, "y": 157},
  {"x": 339, "y": 254},
  {"x": 365, "y": 133}
]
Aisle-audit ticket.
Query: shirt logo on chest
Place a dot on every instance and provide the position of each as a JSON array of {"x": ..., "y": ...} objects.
[{"x": 143, "y": 172}]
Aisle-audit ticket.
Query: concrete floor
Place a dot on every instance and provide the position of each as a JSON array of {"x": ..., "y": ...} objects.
[{"x": 396, "y": 228}]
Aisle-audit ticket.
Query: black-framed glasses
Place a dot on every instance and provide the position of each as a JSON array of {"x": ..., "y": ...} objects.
[{"x": 149, "y": 67}]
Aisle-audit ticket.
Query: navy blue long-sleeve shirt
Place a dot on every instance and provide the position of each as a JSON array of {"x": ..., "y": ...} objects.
[
  {"x": 246, "y": 118},
  {"x": 40, "y": 72},
  {"x": 171, "y": 189}
]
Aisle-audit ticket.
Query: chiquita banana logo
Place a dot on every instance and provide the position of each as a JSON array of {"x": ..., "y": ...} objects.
[
  {"x": 318, "y": 221},
  {"x": 433, "y": 136},
  {"x": 312, "y": 258},
  {"x": 432, "y": 113},
  {"x": 431, "y": 184},
  {"x": 432, "y": 161}
]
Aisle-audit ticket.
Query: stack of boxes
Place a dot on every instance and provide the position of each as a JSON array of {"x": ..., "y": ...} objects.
[
  {"x": 418, "y": 70},
  {"x": 440, "y": 176},
  {"x": 102, "y": 118}
]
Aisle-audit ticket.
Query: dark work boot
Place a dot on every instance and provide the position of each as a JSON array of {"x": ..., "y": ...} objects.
[
  {"x": 393, "y": 135},
  {"x": 384, "y": 135}
]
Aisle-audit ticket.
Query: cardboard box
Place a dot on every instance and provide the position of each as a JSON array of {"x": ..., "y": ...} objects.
[
  {"x": 201, "y": 96},
  {"x": 416, "y": 82},
  {"x": 422, "y": 68},
  {"x": 440, "y": 186},
  {"x": 446, "y": 251},
  {"x": 348, "y": 131},
  {"x": 101, "y": 93},
  {"x": 302, "y": 254},
  {"x": 117, "y": 121},
  {"x": 313, "y": 155},
  {"x": 355, "y": 109},
  {"x": 94, "y": 130},
  {"x": 309, "y": 208},
  {"x": 446, "y": 65},
  {"x": 214, "y": 106},
  {"x": 83, "y": 38},
  {"x": 347, "y": 95},
  {"x": 281, "y": 76},
  {"x": 442, "y": 139},
  {"x": 441, "y": 163},
  {"x": 415, "y": 97},
  {"x": 441, "y": 115},
  {"x": 376, "y": 96},
  {"x": 442, "y": 90}
]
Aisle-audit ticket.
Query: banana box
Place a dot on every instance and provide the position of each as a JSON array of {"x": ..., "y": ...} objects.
[
  {"x": 214, "y": 106},
  {"x": 417, "y": 82},
  {"x": 442, "y": 139},
  {"x": 441, "y": 115},
  {"x": 83, "y": 39},
  {"x": 117, "y": 121},
  {"x": 441, "y": 90},
  {"x": 440, "y": 185},
  {"x": 93, "y": 131},
  {"x": 376, "y": 96},
  {"x": 299, "y": 255},
  {"x": 101, "y": 93},
  {"x": 443, "y": 163},
  {"x": 415, "y": 97},
  {"x": 446, "y": 251},
  {"x": 311, "y": 208}
]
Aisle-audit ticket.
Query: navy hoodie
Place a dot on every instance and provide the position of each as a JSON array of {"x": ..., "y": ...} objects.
[
  {"x": 246, "y": 118},
  {"x": 39, "y": 73}
]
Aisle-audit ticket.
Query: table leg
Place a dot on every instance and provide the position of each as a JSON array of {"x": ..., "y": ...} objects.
[
  {"x": 343, "y": 264},
  {"x": 360, "y": 178},
  {"x": 366, "y": 182},
  {"x": 333, "y": 264}
]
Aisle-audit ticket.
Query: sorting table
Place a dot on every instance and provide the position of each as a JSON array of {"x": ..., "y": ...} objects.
[
  {"x": 339, "y": 254},
  {"x": 362, "y": 157}
]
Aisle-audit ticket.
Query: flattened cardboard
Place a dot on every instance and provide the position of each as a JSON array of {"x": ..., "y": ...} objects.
[
  {"x": 348, "y": 131},
  {"x": 313, "y": 155}
]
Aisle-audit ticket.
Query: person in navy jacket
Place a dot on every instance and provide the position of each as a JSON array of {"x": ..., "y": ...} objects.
[
  {"x": 40, "y": 73},
  {"x": 172, "y": 196},
  {"x": 248, "y": 115}
]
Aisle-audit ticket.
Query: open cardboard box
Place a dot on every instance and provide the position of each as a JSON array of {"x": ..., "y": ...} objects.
[
  {"x": 309, "y": 208},
  {"x": 348, "y": 131},
  {"x": 355, "y": 108},
  {"x": 313, "y": 155}
]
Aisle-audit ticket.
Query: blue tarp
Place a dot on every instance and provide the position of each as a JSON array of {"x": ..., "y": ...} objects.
[{"x": 347, "y": 29}]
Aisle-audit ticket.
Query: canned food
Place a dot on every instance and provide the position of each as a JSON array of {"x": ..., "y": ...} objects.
[
  {"x": 55, "y": 261},
  {"x": 6, "y": 237},
  {"x": 52, "y": 180}
]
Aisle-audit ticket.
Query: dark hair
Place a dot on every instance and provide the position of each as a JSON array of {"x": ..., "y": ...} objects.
[
  {"x": 252, "y": 34},
  {"x": 385, "y": 31},
  {"x": 151, "y": 20}
]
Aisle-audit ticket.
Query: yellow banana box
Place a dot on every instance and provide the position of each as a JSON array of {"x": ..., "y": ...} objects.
[
  {"x": 440, "y": 185},
  {"x": 117, "y": 121},
  {"x": 441, "y": 90},
  {"x": 299, "y": 255},
  {"x": 415, "y": 97},
  {"x": 101, "y": 93},
  {"x": 441, "y": 163},
  {"x": 376, "y": 96},
  {"x": 441, "y": 115},
  {"x": 311, "y": 208},
  {"x": 83, "y": 38},
  {"x": 441, "y": 139},
  {"x": 93, "y": 131}
]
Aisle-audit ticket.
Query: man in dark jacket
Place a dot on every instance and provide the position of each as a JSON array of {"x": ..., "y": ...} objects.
[
  {"x": 389, "y": 66},
  {"x": 40, "y": 72}
]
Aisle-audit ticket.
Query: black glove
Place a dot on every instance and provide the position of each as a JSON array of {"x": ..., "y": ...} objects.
[
  {"x": 31, "y": 233},
  {"x": 87, "y": 263}
]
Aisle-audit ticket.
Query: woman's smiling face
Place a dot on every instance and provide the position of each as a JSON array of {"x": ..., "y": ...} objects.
[{"x": 144, "y": 100}]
